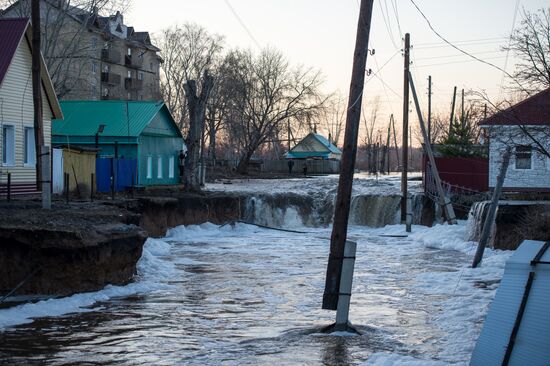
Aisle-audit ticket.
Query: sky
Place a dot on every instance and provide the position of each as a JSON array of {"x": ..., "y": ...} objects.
[{"x": 321, "y": 34}]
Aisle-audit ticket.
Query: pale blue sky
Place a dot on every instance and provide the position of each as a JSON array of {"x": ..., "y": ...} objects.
[{"x": 321, "y": 33}]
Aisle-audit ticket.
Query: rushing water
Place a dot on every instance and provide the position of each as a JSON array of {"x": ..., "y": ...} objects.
[{"x": 243, "y": 295}]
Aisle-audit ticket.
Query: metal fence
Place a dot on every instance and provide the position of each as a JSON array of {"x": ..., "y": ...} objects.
[{"x": 313, "y": 166}]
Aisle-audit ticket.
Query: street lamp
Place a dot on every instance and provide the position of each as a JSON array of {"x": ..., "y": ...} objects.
[{"x": 99, "y": 130}]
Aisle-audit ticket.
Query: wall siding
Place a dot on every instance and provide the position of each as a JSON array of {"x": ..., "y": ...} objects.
[
  {"x": 16, "y": 108},
  {"x": 158, "y": 146},
  {"x": 538, "y": 177}
]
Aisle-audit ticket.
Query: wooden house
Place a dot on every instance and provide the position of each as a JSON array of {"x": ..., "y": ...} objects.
[
  {"x": 138, "y": 141},
  {"x": 17, "y": 144},
  {"x": 314, "y": 146}
]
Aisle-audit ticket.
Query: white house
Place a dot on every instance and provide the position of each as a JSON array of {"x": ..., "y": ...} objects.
[
  {"x": 525, "y": 128},
  {"x": 17, "y": 148}
]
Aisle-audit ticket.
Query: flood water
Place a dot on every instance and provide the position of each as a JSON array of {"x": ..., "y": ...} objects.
[{"x": 244, "y": 295}]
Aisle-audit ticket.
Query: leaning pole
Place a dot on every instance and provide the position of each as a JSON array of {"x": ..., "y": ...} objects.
[{"x": 343, "y": 198}]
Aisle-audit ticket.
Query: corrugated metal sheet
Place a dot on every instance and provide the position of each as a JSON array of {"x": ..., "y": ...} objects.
[
  {"x": 313, "y": 145},
  {"x": 121, "y": 118},
  {"x": 11, "y": 32},
  {"x": 532, "y": 344}
]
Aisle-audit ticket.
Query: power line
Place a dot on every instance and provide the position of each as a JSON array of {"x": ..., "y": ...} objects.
[
  {"x": 509, "y": 43},
  {"x": 461, "y": 50},
  {"x": 474, "y": 40},
  {"x": 459, "y": 62},
  {"x": 394, "y": 6},
  {"x": 242, "y": 24},
  {"x": 388, "y": 27},
  {"x": 456, "y": 55}
]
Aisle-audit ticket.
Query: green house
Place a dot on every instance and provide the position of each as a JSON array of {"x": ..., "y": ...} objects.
[
  {"x": 142, "y": 132},
  {"x": 314, "y": 146}
]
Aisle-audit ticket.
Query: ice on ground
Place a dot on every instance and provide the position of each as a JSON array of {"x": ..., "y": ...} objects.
[{"x": 392, "y": 359}]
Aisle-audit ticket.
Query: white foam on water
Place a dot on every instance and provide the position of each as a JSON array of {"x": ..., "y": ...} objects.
[
  {"x": 394, "y": 359},
  {"x": 152, "y": 271}
]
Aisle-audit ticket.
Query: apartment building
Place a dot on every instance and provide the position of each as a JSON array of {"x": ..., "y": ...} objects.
[{"x": 94, "y": 57}]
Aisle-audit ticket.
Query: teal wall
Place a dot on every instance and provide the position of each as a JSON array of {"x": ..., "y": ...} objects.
[{"x": 155, "y": 148}]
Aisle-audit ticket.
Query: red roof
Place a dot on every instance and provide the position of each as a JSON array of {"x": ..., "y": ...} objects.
[
  {"x": 534, "y": 110},
  {"x": 11, "y": 32}
]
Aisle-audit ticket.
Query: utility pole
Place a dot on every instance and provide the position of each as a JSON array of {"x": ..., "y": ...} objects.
[
  {"x": 343, "y": 198},
  {"x": 430, "y": 108},
  {"x": 490, "y": 218},
  {"x": 42, "y": 152},
  {"x": 452, "y": 112},
  {"x": 386, "y": 152},
  {"x": 462, "y": 121},
  {"x": 443, "y": 201},
  {"x": 405, "y": 163},
  {"x": 395, "y": 141}
]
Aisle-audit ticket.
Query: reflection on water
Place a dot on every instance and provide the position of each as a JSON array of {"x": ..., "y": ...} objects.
[{"x": 249, "y": 297}]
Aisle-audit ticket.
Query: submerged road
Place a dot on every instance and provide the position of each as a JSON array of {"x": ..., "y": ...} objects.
[{"x": 245, "y": 295}]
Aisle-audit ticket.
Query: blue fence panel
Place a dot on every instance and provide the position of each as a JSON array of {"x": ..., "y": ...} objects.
[{"x": 124, "y": 172}]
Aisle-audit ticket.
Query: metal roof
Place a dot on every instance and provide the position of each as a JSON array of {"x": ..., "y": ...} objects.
[
  {"x": 308, "y": 148},
  {"x": 534, "y": 110},
  {"x": 119, "y": 117},
  {"x": 11, "y": 32}
]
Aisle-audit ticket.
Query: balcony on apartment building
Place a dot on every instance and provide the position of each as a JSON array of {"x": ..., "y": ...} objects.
[
  {"x": 111, "y": 97},
  {"x": 134, "y": 61},
  {"x": 133, "y": 84},
  {"x": 110, "y": 78},
  {"x": 110, "y": 55}
]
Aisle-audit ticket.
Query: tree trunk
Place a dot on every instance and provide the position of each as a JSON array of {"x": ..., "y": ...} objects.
[
  {"x": 196, "y": 105},
  {"x": 212, "y": 143},
  {"x": 242, "y": 167}
]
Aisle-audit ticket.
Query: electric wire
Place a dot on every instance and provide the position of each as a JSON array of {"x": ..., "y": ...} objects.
[
  {"x": 243, "y": 24},
  {"x": 509, "y": 43},
  {"x": 461, "y": 50}
]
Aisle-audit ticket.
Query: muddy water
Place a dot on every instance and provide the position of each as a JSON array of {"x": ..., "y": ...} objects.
[{"x": 249, "y": 296}]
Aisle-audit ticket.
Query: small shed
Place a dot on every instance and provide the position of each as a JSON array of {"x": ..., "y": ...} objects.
[
  {"x": 314, "y": 146},
  {"x": 517, "y": 328},
  {"x": 80, "y": 165},
  {"x": 138, "y": 142}
]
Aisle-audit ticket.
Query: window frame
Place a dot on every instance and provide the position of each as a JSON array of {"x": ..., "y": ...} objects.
[
  {"x": 159, "y": 167},
  {"x": 171, "y": 167},
  {"x": 149, "y": 170},
  {"x": 527, "y": 153},
  {"x": 5, "y": 155},
  {"x": 26, "y": 144}
]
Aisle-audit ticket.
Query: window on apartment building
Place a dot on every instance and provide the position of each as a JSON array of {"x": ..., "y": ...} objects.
[
  {"x": 129, "y": 96},
  {"x": 94, "y": 43},
  {"x": 29, "y": 157},
  {"x": 149, "y": 167},
  {"x": 8, "y": 145},
  {"x": 523, "y": 157},
  {"x": 129, "y": 52},
  {"x": 105, "y": 68},
  {"x": 159, "y": 167},
  {"x": 171, "y": 167},
  {"x": 94, "y": 68},
  {"x": 94, "y": 91},
  {"x": 151, "y": 66},
  {"x": 129, "y": 73},
  {"x": 140, "y": 75},
  {"x": 105, "y": 92}
]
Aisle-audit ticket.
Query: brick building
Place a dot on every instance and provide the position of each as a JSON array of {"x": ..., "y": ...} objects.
[{"x": 94, "y": 57}]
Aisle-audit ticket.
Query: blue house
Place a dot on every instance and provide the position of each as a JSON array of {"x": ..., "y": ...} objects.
[
  {"x": 314, "y": 146},
  {"x": 140, "y": 136}
]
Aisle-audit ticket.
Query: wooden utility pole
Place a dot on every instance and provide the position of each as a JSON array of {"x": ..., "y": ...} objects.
[
  {"x": 386, "y": 153},
  {"x": 430, "y": 108},
  {"x": 490, "y": 218},
  {"x": 443, "y": 201},
  {"x": 452, "y": 111},
  {"x": 36, "y": 89},
  {"x": 395, "y": 141},
  {"x": 343, "y": 197},
  {"x": 405, "y": 142},
  {"x": 462, "y": 120}
]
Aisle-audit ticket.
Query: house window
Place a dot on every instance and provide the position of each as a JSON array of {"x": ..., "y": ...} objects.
[
  {"x": 149, "y": 167},
  {"x": 171, "y": 167},
  {"x": 159, "y": 167},
  {"x": 140, "y": 75},
  {"x": 8, "y": 145},
  {"x": 523, "y": 157},
  {"x": 30, "y": 151}
]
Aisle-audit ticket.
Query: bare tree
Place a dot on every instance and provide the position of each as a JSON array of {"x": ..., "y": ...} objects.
[
  {"x": 267, "y": 93},
  {"x": 530, "y": 42},
  {"x": 188, "y": 51},
  {"x": 66, "y": 39},
  {"x": 333, "y": 117}
]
